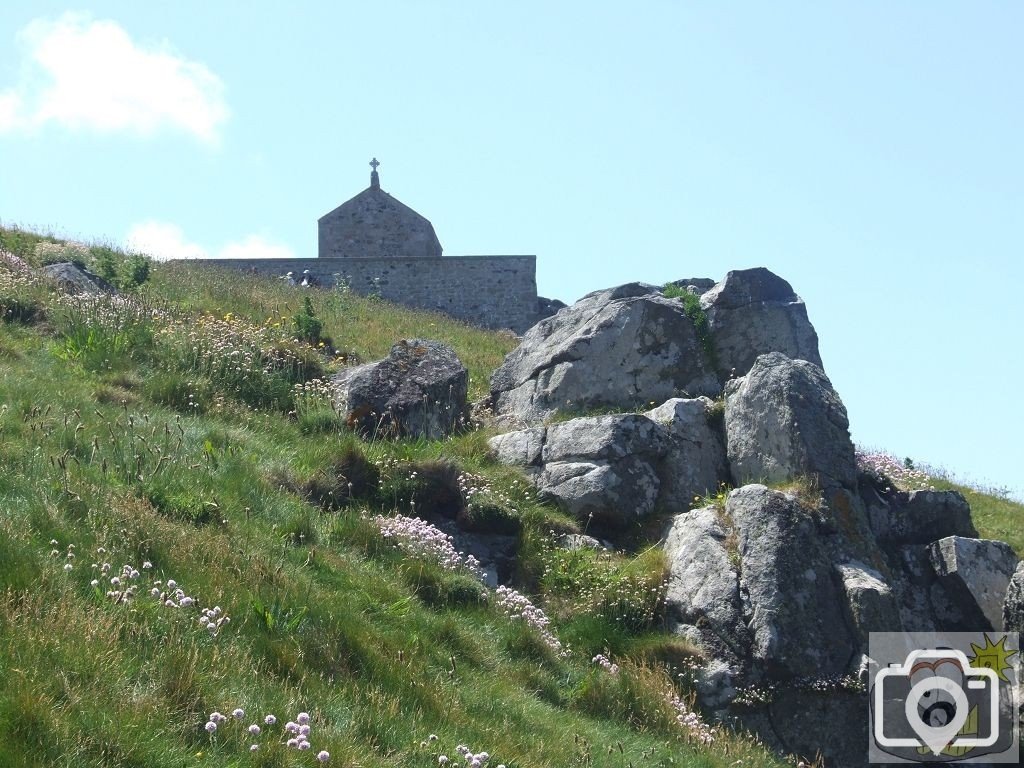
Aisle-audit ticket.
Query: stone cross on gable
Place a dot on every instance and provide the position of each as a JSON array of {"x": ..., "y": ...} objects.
[
  {"x": 374, "y": 164},
  {"x": 374, "y": 178}
]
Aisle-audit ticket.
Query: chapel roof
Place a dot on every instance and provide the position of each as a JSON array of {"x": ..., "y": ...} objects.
[{"x": 375, "y": 224}]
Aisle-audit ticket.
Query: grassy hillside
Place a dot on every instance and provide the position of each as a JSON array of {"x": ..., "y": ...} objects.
[{"x": 186, "y": 528}]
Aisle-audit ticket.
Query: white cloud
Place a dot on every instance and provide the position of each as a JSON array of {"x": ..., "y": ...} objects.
[
  {"x": 80, "y": 73},
  {"x": 163, "y": 241}
]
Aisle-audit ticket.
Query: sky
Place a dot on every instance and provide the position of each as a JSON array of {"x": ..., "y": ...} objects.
[{"x": 870, "y": 153}]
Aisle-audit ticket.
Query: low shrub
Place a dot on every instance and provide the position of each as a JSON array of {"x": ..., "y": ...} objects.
[
  {"x": 104, "y": 262},
  {"x": 126, "y": 271},
  {"x": 133, "y": 272},
  {"x": 306, "y": 324}
]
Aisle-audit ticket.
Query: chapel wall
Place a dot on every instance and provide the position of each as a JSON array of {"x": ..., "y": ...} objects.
[{"x": 489, "y": 291}]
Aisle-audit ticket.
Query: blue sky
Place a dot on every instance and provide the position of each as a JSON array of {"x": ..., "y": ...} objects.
[{"x": 870, "y": 153}]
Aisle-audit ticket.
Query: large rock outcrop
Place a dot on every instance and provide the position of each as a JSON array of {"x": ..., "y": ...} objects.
[
  {"x": 775, "y": 586},
  {"x": 631, "y": 346},
  {"x": 619, "y": 468},
  {"x": 418, "y": 390},
  {"x": 767, "y": 587},
  {"x": 784, "y": 420},
  {"x": 753, "y": 311},
  {"x": 624, "y": 347}
]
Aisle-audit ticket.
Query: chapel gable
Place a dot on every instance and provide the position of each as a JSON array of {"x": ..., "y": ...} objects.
[{"x": 373, "y": 224}]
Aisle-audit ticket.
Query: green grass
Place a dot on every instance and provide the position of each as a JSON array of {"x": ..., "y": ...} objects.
[
  {"x": 361, "y": 328},
  {"x": 125, "y": 439},
  {"x": 996, "y": 516}
]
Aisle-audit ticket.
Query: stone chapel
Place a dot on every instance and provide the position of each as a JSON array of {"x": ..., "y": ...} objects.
[{"x": 373, "y": 244}]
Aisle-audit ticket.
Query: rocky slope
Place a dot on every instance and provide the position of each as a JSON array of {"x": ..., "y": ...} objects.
[{"x": 781, "y": 579}]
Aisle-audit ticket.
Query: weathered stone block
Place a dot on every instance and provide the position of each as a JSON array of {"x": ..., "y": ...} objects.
[{"x": 975, "y": 573}]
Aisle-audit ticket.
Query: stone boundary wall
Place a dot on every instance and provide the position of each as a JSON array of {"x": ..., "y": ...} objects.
[{"x": 490, "y": 291}]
